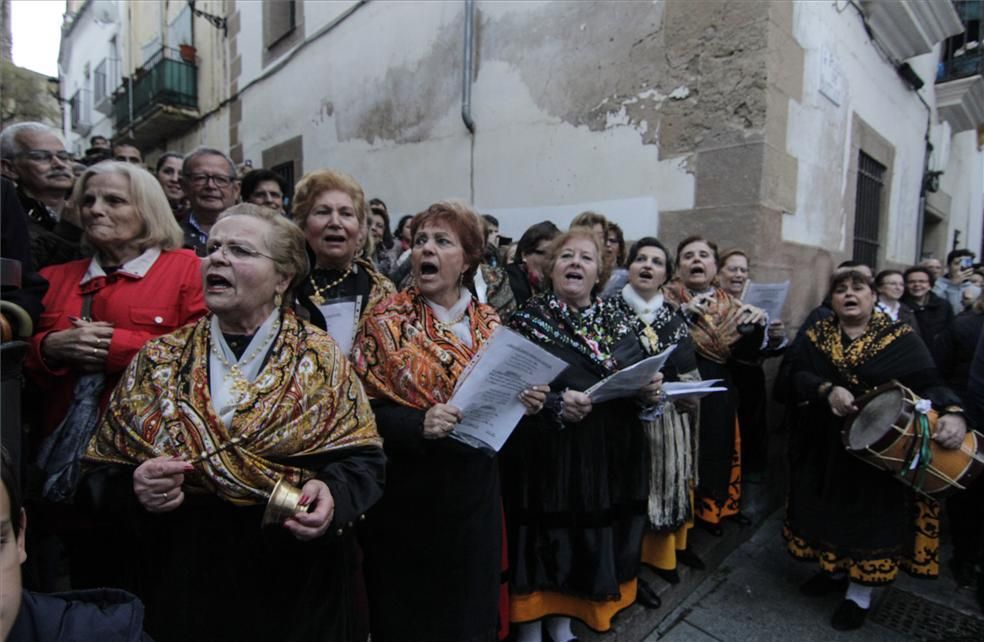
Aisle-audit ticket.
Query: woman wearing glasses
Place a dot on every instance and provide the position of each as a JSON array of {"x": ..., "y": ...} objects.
[
  {"x": 99, "y": 311},
  {"x": 209, "y": 418}
]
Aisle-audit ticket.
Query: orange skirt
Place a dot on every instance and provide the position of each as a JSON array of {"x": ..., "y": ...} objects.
[{"x": 596, "y": 614}]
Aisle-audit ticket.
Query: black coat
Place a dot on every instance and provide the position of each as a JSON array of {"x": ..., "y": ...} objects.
[
  {"x": 933, "y": 317},
  {"x": 99, "y": 614},
  {"x": 953, "y": 351}
]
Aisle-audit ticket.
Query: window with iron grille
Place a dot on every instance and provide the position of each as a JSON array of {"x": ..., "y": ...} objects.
[{"x": 867, "y": 210}]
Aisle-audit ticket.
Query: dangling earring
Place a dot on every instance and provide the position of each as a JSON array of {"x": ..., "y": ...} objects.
[
  {"x": 461, "y": 279},
  {"x": 278, "y": 300}
]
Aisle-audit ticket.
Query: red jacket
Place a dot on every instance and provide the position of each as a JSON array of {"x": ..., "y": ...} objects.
[{"x": 168, "y": 296}]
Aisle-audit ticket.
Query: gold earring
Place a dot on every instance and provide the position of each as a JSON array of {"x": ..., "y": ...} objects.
[{"x": 278, "y": 300}]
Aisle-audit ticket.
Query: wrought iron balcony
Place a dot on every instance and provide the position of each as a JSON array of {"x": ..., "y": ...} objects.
[
  {"x": 160, "y": 101},
  {"x": 961, "y": 67}
]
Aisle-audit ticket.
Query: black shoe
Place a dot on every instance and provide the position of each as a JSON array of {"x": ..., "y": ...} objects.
[
  {"x": 714, "y": 529},
  {"x": 670, "y": 575},
  {"x": 689, "y": 558},
  {"x": 823, "y": 584},
  {"x": 741, "y": 520},
  {"x": 646, "y": 596},
  {"x": 848, "y": 616}
]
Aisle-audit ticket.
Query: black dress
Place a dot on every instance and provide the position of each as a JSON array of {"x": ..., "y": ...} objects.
[
  {"x": 209, "y": 568},
  {"x": 576, "y": 494},
  {"x": 842, "y": 510},
  {"x": 434, "y": 542}
]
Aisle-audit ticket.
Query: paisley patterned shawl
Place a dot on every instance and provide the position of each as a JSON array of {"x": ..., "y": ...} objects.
[
  {"x": 306, "y": 400},
  {"x": 381, "y": 287},
  {"x": 715, "y": 331},
  {"x": 403, "y": 355},
  {"x": 828, "y": 338},
  {"x": 593, "y": 332}
]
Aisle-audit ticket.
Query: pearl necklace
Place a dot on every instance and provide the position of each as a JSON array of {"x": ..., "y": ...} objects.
[
  {"x": 445, "y": 326},
  {"x": 318, "y": 298},
  {"x": 239, "y": 383}
]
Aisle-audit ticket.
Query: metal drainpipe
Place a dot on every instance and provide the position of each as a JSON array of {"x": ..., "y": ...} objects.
[{"x": 466, "y": 76}]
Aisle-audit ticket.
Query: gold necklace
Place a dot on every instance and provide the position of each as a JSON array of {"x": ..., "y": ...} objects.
[
  {"x": 240, "y": 384},
  {"x": 318, "y": 298}
]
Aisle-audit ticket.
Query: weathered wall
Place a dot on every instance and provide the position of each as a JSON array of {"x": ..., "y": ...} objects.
[
  {"x": 839, "y": 55},
  {"x": 567, "y": 100},
  {"x": 672, "y": 117}
]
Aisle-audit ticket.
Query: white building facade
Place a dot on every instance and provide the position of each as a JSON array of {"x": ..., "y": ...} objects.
[{"x": 780, "y": 127}]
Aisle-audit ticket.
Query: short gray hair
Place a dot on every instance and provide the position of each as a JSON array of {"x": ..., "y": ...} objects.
[
  {"x": 285, "y": 242},
  {"x": 10, "y": 144},
  {"x": 198, "y": 152},
  {"x": 146, "y": 196}
]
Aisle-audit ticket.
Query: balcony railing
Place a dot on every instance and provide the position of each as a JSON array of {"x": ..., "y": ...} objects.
[
  {"x": 961, "y": 67},
  {"x": 165, "y": 80}
]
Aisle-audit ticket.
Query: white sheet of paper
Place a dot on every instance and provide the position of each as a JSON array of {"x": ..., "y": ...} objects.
[
  {"x": 692, "y": 389},
  {"x": 771, "y": 297},
  {"x": 488, "y": 390},
  {"x": 628, "y": 381},
  {"x": 340, "y": 322}
]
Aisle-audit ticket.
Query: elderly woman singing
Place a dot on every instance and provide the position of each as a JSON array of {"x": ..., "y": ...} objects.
[
  {"x": 330, "y": 207},
  {"x": 722, "y": 329},
  {"x": 857, "y": 521},
  {"x": 577, "y": 474},
  {"x": 210, "y": 418},
  {"x": 434, "y": 551}
]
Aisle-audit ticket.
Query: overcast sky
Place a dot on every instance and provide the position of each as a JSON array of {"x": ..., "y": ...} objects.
[{"x": 36, "y": 27}]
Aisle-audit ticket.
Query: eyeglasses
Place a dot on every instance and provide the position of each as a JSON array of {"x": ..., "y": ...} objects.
[
  {"x": 44, "y": 155},
  {"x": 200, "y": 180},
  {"x": 234, "y": 251}
]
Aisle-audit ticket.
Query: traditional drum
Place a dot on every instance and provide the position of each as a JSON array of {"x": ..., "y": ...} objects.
[{"x": 893, "y": 430}]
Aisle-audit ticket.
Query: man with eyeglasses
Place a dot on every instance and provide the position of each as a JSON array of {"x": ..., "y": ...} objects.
[
  {"x": 208, "y": 177},
  {"x": 33, "y": 156}
]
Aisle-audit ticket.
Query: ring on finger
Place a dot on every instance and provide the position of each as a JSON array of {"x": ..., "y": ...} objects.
[{"x": 163, "y": 495}]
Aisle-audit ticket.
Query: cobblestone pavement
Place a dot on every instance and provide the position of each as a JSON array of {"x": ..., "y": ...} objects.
[{"x": 752, "y": 595}]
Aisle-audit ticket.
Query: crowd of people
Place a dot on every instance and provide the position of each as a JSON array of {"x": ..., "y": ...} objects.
[{"x": 238, "y": 409}]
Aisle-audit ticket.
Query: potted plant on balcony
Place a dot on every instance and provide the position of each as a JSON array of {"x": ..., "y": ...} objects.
[{"x": 187, "y": 52}]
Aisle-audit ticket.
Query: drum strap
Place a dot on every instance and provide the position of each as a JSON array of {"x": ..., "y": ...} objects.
[{"x": 920, "y": 455}]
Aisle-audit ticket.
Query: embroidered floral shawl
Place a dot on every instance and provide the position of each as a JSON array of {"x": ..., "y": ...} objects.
[
  {"x": 715, "y": 331},
  {"x": 881, "y": 332},
  {"x": 306, "y": 400},
  {"x": 404, "y": 355},
  {"x": 668, "y": 327},
  {"x": 592, "y": 332}
]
